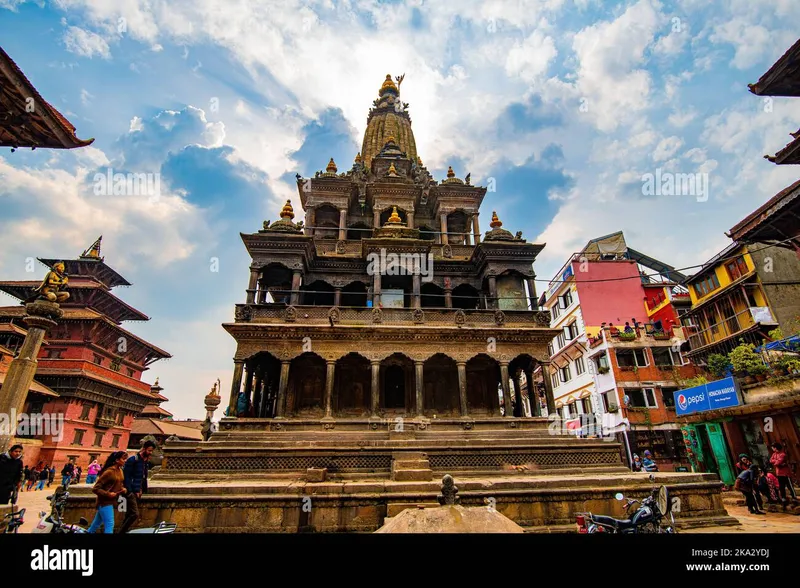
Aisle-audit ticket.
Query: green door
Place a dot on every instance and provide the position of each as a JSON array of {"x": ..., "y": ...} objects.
[{"x": 720, "y": 449}]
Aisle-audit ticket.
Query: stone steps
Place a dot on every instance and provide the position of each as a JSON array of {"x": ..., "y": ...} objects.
[{"x": 411, "y": 466}]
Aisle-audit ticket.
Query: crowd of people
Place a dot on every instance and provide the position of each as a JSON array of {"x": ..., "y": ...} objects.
[{"x": 769, "y": 484}]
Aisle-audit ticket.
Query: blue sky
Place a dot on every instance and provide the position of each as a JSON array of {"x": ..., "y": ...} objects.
[{"x": 563, "y": 104}]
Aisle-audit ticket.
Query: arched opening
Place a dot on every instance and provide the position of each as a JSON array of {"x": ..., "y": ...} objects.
[
  {"x": 388, "y": 212},
  {"x": 358, "y": 231},
  {"x": 525, "y": 394},
  {"x": 318, "y": 293},
  {"x": 457, "y": 227},
  {"x": 396, "y": 291},
  {"x": 427, "y": 233},
  {"x": 306, "y": 390},
  {"x": 326, "y": 221},
  {"x": 354, "y": 294},
  {"x": 432, "y": 296},
  {"x": 275, "y": 280},
  {"x": 511, "y": 291},
  {"x": 352, "y": 386},
  {"x": 440, "y": 390},
  {"x": 466, "y": 297},
  {"x": 483, "y": 383},
  {"x": 397, "y": 377},
  {"x": 260, "y": 382}
]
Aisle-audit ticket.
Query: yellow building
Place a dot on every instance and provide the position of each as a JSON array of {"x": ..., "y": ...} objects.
[{"x": 729, "y": 302}]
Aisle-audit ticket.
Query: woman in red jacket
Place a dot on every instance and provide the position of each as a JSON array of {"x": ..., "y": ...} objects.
[{"x": 780, "y": 462}]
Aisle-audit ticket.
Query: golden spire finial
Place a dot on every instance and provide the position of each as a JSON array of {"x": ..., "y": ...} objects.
[
  {"x": 419, "y": 161},
  {"x": 288, "y": 211},
  {"x": 394, "y": 218},
  {"x": 450, "y": 172},
  {"x": 358, "y": 157},
  {"x": 94, "y": 251},
  {"x": 495, "y": 224},
  {"x": 156, "y": 383},
  {"x": 388, "y": 84},
  {"x": 390, "y": 140},
  {"x": 331, "y": 169},
  {"x": 392, "y": 170}
]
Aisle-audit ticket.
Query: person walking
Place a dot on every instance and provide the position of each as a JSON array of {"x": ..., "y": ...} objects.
[
  {"x": 33, "y": 475},
  {"x": 135, "y": 472},
  {"x": 780, "y": 461},
  {"x": 108, "y": 488},
  {"x": 92, "y": 471},
  {"x": 78, "y": 472},
  {"x": 44, "y": 473},
  {"x": 51, "y": 475},
  {"x": 746, "y": 484},
  {"x": 26, "y": 473},
  {"x": 10, "y": 473},
  {"x": 67, "y": 472}
]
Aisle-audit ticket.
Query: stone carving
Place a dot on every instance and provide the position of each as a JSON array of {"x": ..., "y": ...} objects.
[
  {"x": 461, "y": 318},
  {"x": 328, "y": 425},
  {"x": 499, "y": 318},
  {"x": 447, "y": 251},
  {"x": 419, "y": 316},
  {"x": 334, "y": 315},
  {"x": 449, "y": 491},
  {"x": 468, "y": 426},
  {"x": 53, "y": 285},
  {"x": 291, "y": 314},
  {"x": 243, "y": 313},
  {"x": 377, "y": 315},
  {"x": 543, "y": 318},
  {"x": 276, "y": 427},
  {"x": 340, "y": 247}
]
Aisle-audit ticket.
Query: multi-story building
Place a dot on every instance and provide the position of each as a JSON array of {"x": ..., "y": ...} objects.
[
  {"x": 93, "y": 364},
  {"x": 618, "y": 356}
]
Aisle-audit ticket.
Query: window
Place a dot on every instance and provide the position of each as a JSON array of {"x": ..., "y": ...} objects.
[
  {"x": 580, "y": 367},
  {"x": 737, "y": 268},
  {"x": 677, "y": 357},
  {"x": 667, "y": 396},
  {"x": 554, "y": 380},
  {"x": 601, "y": 362},
  {"x": 662, "y": 357},
  {"x": 98, "y": 359},
  {"x": 115, "y": 441},
  {"x": 78, "y": 439},
  {"x": 641, "y": 398},
  {"x": 564, "y": 374},
  {"x": 93, "y": 456},
  {"x": 130, "y": 372},
  {"x": 120, "y": 417},
  {"x": 561, "y": 340},
  {"x": 87, "y": 408},
  {"x": 610, "y": 403},
  {"x": 54, "y": 353},
  {"x": 628, "y": 358},
  {"x": 571, "y": 331},
  {"x": 555, "y": 311},
  {"x": 706, "y": 285},
  {"x": 572, "y": 407},
  {"x": 115, "y": 363},
  {"x": 587, "y": 406},
  {"x": 565, "y": 299},
  {"x": 98, "y": 439}
]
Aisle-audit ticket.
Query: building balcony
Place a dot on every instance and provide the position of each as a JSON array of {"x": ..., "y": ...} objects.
[
  {"x": 105, "y": 423},
  {"x": 363, "y": 316},
  {"x": 736, "y": 324}
]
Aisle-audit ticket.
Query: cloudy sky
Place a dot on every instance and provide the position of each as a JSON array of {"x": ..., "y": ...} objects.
[{"x": 566, "y": 104}]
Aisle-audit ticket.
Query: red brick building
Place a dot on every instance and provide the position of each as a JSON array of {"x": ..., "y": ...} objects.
[{"x": 90, "y": 361}]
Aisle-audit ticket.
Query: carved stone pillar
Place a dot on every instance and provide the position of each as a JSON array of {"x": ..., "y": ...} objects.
[
  {"x": 331, "y": 365},
  {"x": 519, "y": 409},
  {"x": 252, "y": 285},
  {"x": 448, "y": 298},
  {"x": 258, "y": 398},
  {"x": 309, "y": 226},
  {"x": 462, "y": 387},
  {"x": 492, "y": 302},
  {"x": 443, "y": 219},
  {"x": 376, "y": 288},
  {"x": 248, "y": 384},
  {"x": 236, "y": 385},
  {"x": 419, "y": 386},
  {"x": 337, "y": 297},
  {"x": 282, "y": 386},
  {"x": 533, "y": 396},
  {"x": 532, "y": 293},
  {"x": 296, "y": 277},
  {"x": 416, "y": 286},
  {"x": 468, "y": 237},
  {"x": 548, "y": 388},
  {"x": 376, "y": 218},
  {"x": 376, "y": 386},
  {"x": 262, "y": 293},
  {"x": 410, "y": 219},
  {"x": 476, "y": 228},
  {"x": 342, "y": 224},
  {"x": 506, "y": 390}
]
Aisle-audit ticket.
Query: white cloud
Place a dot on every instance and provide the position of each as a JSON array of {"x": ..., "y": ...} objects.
[
  {"x": 86, "y": 43},
  {"x": 531, "y": 58},
  {"x": 681, "y": 119},
  {"x": 86, "y": 97},
  {"x": 750, "y": 41},
  {"x": 666, "y": 148}
]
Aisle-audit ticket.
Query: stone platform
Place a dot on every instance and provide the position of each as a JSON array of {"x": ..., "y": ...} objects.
[{"x": 255, "y": 475}]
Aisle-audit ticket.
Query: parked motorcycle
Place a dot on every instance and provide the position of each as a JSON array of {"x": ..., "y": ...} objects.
[
  {"x": 652, "y": 515},
  {"x": 54, "y": 522},
  {"x": 14, "y": 520}
]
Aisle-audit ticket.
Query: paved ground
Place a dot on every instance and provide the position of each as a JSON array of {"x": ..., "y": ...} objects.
[{"x": 34, "y": 502}]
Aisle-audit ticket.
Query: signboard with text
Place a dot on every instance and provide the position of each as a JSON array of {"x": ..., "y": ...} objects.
[{"x": 711, "y": 396}]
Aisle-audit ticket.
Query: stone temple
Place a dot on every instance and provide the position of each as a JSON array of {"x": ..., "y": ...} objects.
[{"x": 381, "y": 344}]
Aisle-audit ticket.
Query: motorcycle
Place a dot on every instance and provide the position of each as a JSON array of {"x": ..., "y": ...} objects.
[
  {"x": 14, "y": 521},
  {"x": 54, "y": 522},
  {"x": 653, "y": 515}
]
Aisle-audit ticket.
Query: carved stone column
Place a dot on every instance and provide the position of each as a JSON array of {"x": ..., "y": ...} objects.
[
  {"x": 492, "y": 302},
  {"x": 532, "y": 293},
  {"x": 342, "y": 224},
  {"x": 448, "y": 298},
  {"x": 533, "y": 396},
  {"x": 443, "y": 219},
  {"x": 462, "y": 387},
  {"x": 506, "y": 390},
  {"x": 419, "y": 386},
  {"x": 252, "y": 285},
  {"x": 376, "y": 218},
  {"x": 519, "y": 409},
  {"x": 416, "y": 286},
  {"x": 236, "y": 385},
  {"x": 331, "y": 366},
  {"x": 248, "y": 384},
  {"x": 548, "y": 387},
  {"x": 376, "y": 289},
  {"x": 337, "y": 297},
  {"x": 309, "y": 226},
  {"x": 476, "y": 228},
  {"x": 262, "y": 292},
  {"x": 280, "y": 409},
  {"x": 376, "y": 386},
  {"x": 296, "y": 277},
  {"x": 410, "y": 219}
]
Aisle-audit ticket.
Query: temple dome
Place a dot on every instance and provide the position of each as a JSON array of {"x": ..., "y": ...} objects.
[{"x": 388, "y": 118}]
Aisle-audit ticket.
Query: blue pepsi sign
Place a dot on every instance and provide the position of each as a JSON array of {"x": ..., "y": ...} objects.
[{"x": 711, "y": 396}]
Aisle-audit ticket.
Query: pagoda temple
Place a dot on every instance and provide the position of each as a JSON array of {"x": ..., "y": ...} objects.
[{"x": 89, "y": 362}]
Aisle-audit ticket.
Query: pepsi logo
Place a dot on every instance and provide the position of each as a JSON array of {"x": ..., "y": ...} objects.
[{"x": 682, "y": 401}]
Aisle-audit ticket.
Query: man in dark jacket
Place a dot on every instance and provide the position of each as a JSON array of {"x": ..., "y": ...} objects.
[
  {"x": 67, "y": 472},
  {"x": 135, "y": 472},
  {"x": 10, "y": 473}
]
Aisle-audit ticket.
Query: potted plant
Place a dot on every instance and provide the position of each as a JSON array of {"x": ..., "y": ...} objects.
[
  {"x": 793, "y": 366},
  {"x": 623, "y": 336},
  {"x": 603, "y": 370},
  {"x": 660, "y": 335},
  {"x": 747, "y": 363},
  {"x": 718, "y": 364}
]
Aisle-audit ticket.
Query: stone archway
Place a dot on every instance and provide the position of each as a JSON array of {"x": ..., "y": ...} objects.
[
  {"x": 521, "y": 368},
  {"x": 261, "y": 379},
  {"x": 440, "y": 390},
  {"x": 306, "y": 390},
  {"x": 483, "y": 383},
  {"x": 352, "y": 386},
  {"x": 397, "y": 384}
]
